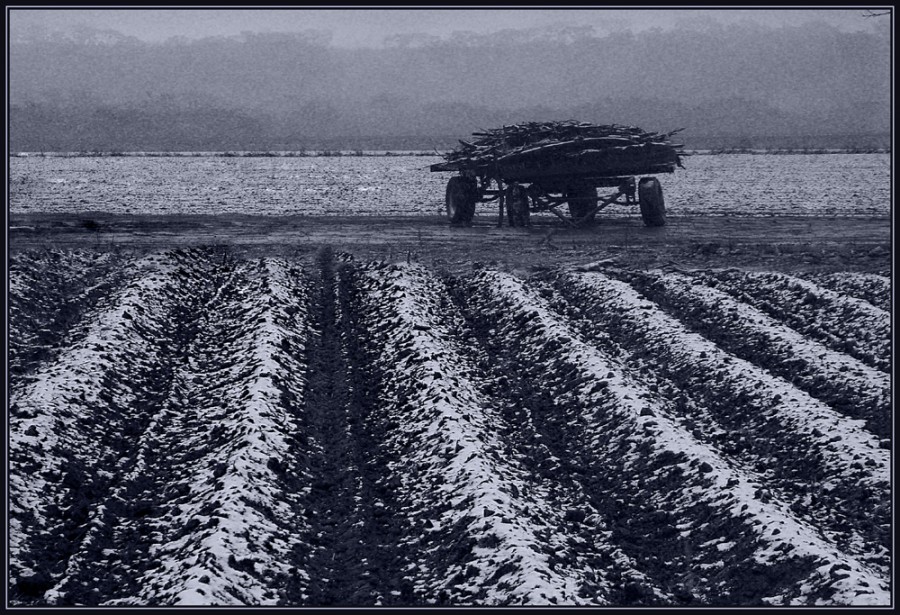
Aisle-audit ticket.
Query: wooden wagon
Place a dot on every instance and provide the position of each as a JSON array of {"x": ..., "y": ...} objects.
[{"x": 540, "y": 166}]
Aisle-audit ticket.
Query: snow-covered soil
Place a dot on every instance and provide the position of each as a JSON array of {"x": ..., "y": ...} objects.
[
  {"x": 814, "y": 185},
  {"x": 190, "y": 427},
  {"x": 840, "y": 321},
  {"x": 876, "y": 289}
]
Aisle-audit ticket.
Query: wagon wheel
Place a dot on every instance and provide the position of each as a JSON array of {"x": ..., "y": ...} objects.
[
  {"x": 653, "y": 207},
  {"x": 461, "y": 195},
  {"x": 578, "y": 209},
  {"x": 518, "y": 209}
]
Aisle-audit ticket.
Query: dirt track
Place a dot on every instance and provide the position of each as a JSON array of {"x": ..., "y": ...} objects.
[{"x": 782, "y": 243}]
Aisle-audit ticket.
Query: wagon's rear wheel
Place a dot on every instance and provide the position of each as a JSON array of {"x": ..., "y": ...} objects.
[
  {"x": 461, "y": 195},
  {"x": 581, "y": 199},
  {"x": 653, "y": 207},
  {"x": 518, "y": 208}
]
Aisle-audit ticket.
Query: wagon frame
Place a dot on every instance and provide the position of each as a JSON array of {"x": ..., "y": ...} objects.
[{"x": 536, "y": 180}]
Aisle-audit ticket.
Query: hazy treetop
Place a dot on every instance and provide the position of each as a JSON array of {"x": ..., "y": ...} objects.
[
  {"x": 372, "y": 27},
  {"x": 141, "y": 73}
]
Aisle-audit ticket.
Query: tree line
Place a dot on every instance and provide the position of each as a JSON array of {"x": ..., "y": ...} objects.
[{"x": 100, "y": 89}]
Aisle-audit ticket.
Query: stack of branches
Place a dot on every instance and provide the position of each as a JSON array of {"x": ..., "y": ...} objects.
[{"x": 555, "y": 139}]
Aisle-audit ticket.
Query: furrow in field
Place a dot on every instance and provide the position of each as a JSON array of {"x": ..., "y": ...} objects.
[
  {"x": 844, "y": 383},
  {"x": 477, "y": 532},
  {"x": 49, "y": 293},
  {"x": 348, "y": 546},
  {"x": 699, "y": 525},
  {"x": 841, "y": 322},
  {"x": 834, "y": 471},
  {"x": 222, "y": 534},
  {"x": 871, "y": 287},
  {"x": 537, "y": 434},
  {"x": 72, "y": 429}
]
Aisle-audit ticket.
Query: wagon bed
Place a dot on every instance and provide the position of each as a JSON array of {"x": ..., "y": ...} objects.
[{"x": 541, "y": 166}]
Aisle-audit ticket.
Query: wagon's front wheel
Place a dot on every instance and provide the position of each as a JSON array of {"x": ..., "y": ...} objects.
[
  {"x": 461, "y": 195},
  {"x": 518, "y": 207},
  {"x": 653, "y": 207}
]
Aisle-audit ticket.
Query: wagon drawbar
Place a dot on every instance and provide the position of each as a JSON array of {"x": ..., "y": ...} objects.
[{"x": 540, "y": 166}]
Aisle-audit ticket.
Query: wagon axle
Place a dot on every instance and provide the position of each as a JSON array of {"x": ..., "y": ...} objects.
[{"x": 518, "y": 199}]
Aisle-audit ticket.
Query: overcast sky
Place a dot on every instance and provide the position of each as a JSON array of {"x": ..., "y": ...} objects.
[{"x": 368, "y": 27}]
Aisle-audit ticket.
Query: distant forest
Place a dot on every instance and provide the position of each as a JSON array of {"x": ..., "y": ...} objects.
[{"x": 727, "y": 86}]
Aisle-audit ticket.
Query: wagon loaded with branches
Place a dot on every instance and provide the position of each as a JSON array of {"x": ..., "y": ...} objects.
[{"x": 540, "y": 166}]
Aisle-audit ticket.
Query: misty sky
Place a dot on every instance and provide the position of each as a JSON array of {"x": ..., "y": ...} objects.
[{"x": 369, "y": 27}]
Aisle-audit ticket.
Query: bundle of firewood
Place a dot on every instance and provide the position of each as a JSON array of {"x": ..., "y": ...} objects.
[{"x": 554, "y": 139}]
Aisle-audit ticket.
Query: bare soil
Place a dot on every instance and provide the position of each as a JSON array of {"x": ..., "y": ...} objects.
[
  {"x": 200, "y": 428},
  {"x": 770, "y": 243}
]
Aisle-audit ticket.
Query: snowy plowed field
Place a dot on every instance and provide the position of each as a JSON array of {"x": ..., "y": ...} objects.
[
  {"x": 189, "y": 427},
  {"x": 813, "y": 185}
]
